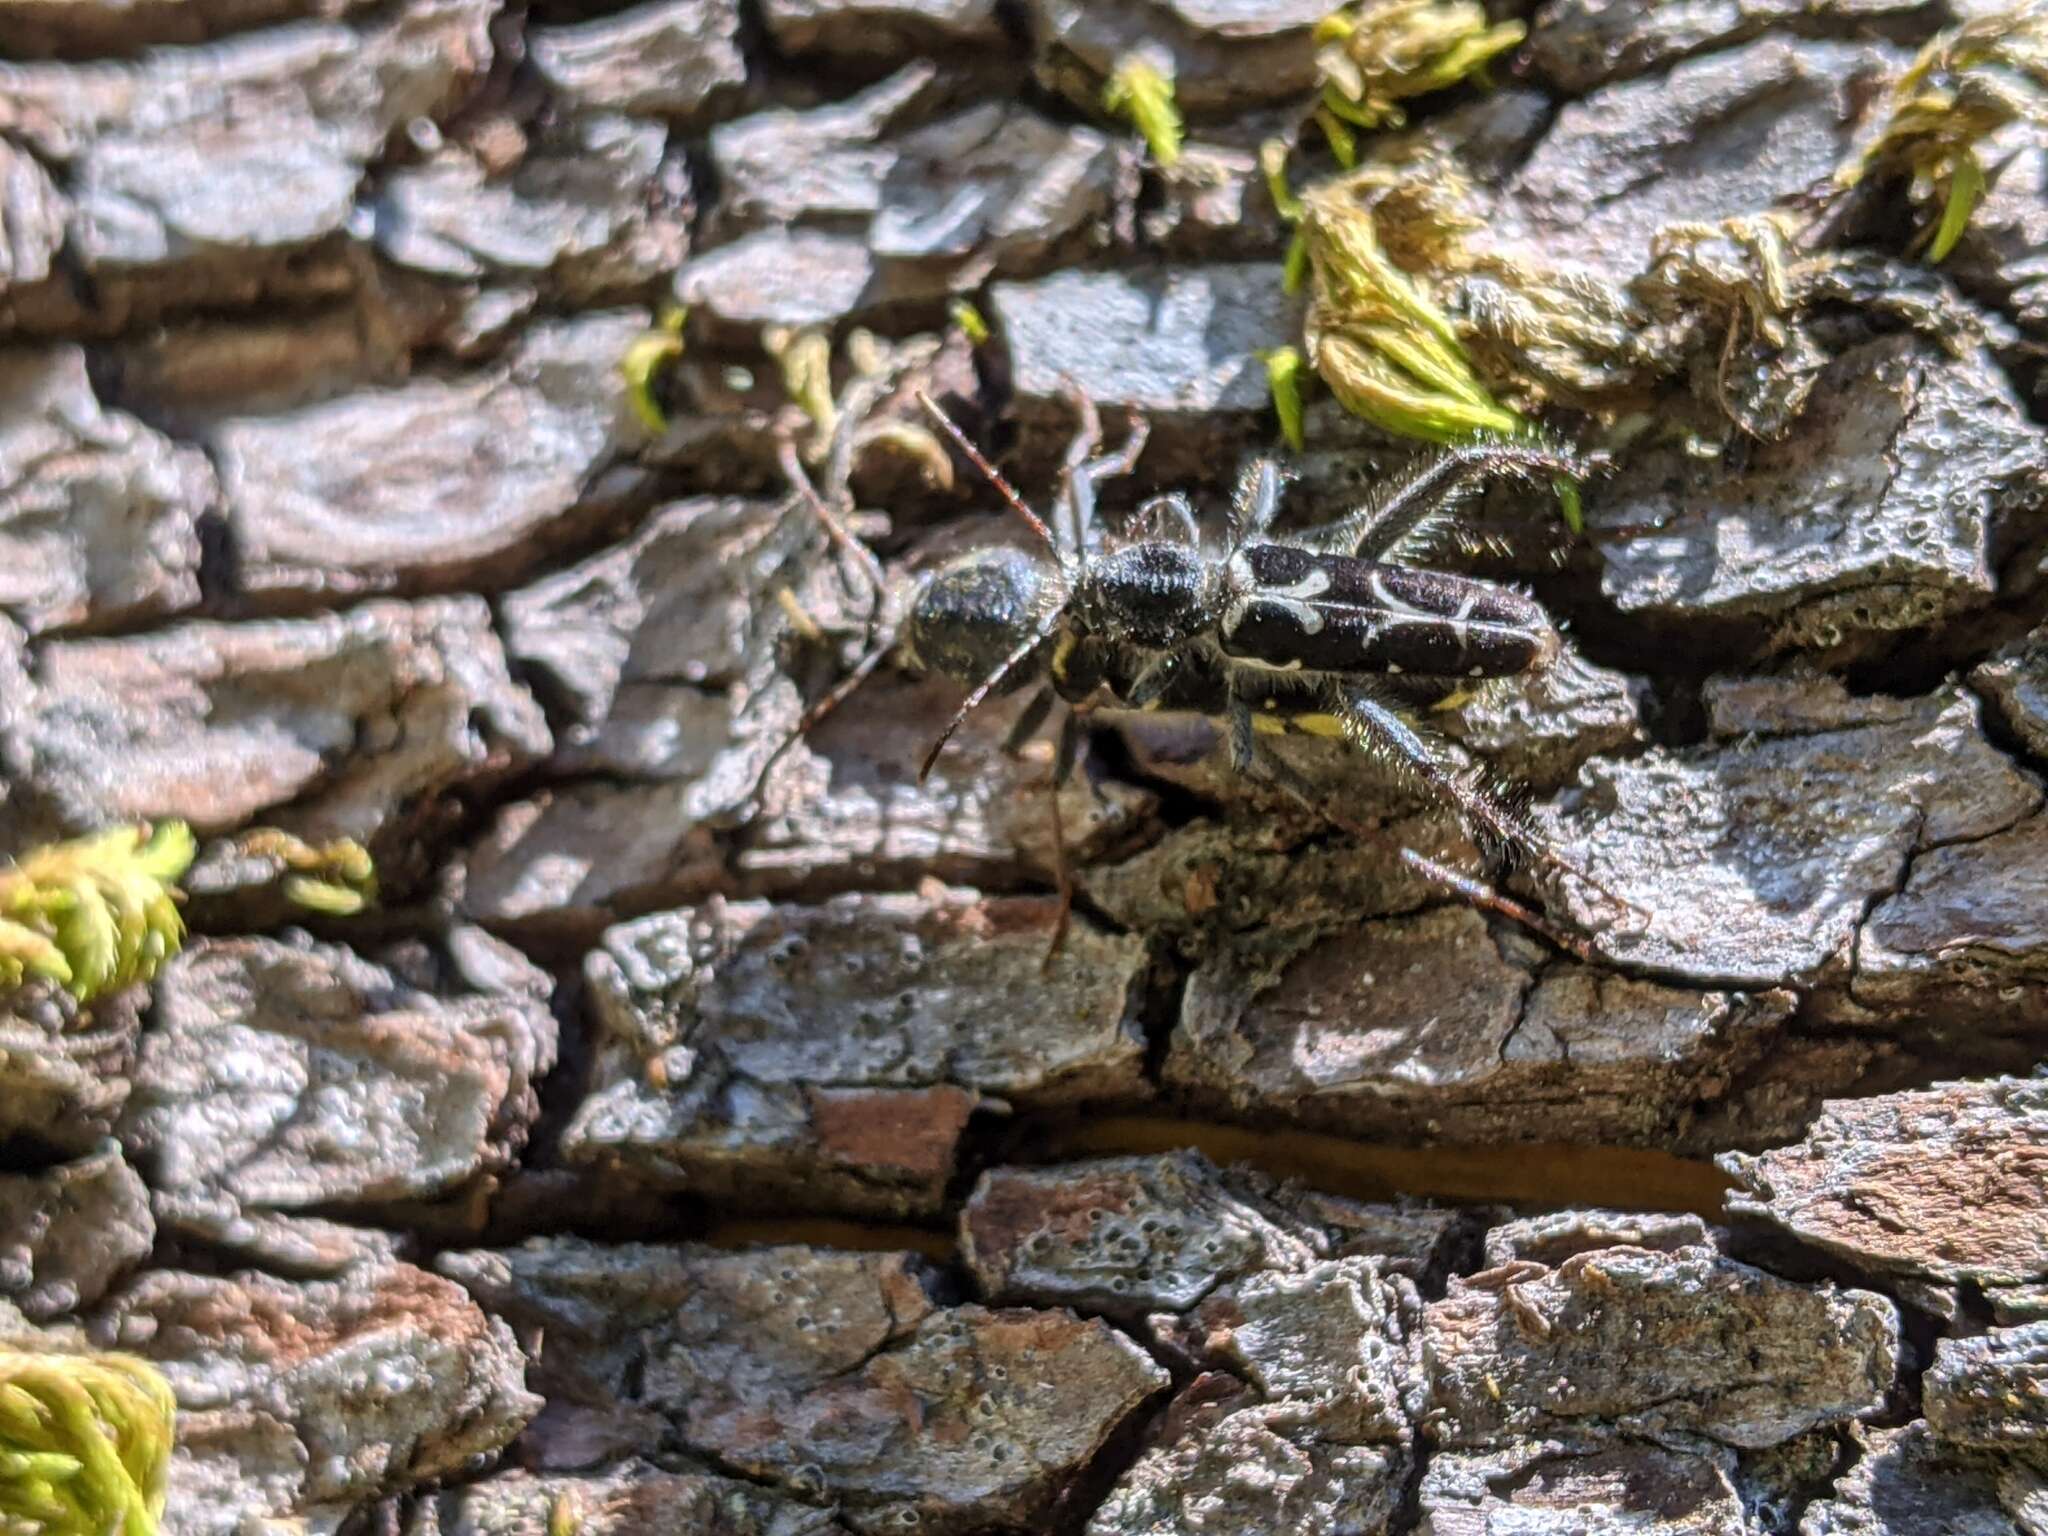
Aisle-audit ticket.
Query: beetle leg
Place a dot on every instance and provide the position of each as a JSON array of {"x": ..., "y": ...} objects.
[
  {"x": 1380, "y": 731},
  {"x": 1137, "y": 432},
  {"x": 1487, "y": 899},
  {"x": 1029, "y": 721},
  {"x": 1067, "y": 751},
  {"x": 1244, "y": 755},
  {"x": 883, "y": 624},
  {"x": 1145, "y": 523},
  {"x": 843, "y": 538},
  {"x": 1088, "y": 434},
  {"x": 1399, "y": 518},
  {"x": 1270, "y": 767},
  {"x": 856, "y": 404},
  {"x": 1081, "y": 481},
  {"x": 1077, "y": 495},
  {"x": 1153, "y": 680},
  {"x": 1489, "y": 809},
  {"x": 1063, "y": 759},
  {"x": 1083, "y": 468},
  {"x": 1257, "y": 501}
]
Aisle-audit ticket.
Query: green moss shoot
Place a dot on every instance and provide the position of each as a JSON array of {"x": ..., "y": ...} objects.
[
  {"x": 1283, "y": 378},
  {"x": 1964, "y": 86},
  {"x": 1140, "y": 91},
  {"x": 645, "y": 360}
]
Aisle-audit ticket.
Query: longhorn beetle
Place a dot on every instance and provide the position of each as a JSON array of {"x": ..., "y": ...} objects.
[{"x": 1274, "y": 631}]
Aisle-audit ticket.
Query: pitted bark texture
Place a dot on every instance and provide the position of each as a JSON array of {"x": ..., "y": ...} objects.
[
  {"x": 762, "y": 1361},
  {"x": 434, "y": 484},
  {"x": 308, "y": 1399},
  {"x": 359, "y": 724},
  {"x": 1628, "y": 1340},
  {"x": 98, "y": 514},
  {"x": 69, "y": 1068},
  {"x": 707, "y": 1079},
  {"x": 296, "y": 1078},
  {"x": 1426, "y": 1026},
  {"x": 632, "y": 1498},
  {"x": 786, "y": 1180},
  {"x": 1757, "y": 853},
  {"x": 72, "y": 1232},
  {"x": 1943, "y": 1185}
]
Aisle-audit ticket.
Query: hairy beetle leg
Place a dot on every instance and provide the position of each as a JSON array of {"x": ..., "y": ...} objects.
[
  {"x": 881, "y": 640},
  {"x": 1065, "y": 754},
  {"x": 1498, "y": 902},
  {"x": 1479, "y": 894}
]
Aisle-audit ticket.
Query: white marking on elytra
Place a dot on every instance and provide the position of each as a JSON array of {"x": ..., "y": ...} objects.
[
  {"x": 1241, "y": 582},
  {"x": 1292, "y": 664},
  {"x": 1460, "y": 624},
  {"x": 1295, "y": 599},
  {"x": 1381, "y": 611},
  {"x": 1400, "y": 607},
  {"x": 1401, "y": 611}
]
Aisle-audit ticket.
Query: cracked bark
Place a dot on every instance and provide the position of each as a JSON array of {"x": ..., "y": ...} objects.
[{"x": 768, "y": 1186}]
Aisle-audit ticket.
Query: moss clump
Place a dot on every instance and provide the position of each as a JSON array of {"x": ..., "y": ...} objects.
[
  {"x": 1373, "y": 333},
  {"x": 337, "y": 878},
  {"x": 1283, "y": 379},
  {"x": 973, "y": 325},
  {"x": 95, "y": 913},
  {"x": 1964, "y": 86},
  {"x": 85, "y": 1444},
  {"x": 845, "y": 423},
  {"x": 1376, "y": 54},
  {"x": 1422, "y": 324},
  {"x": 804, "y": 358}
]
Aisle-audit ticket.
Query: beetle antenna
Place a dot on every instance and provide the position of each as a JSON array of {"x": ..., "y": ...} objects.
[
  {"x": 841, "y": 536},
  {"x": 844, "y": 688},
  {"x": 987, "y": 686},
  {"x": 871, "y": 571},
  {"x": 989, "y": 471}
]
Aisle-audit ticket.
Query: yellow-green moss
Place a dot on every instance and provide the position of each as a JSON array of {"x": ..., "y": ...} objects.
[
  {"x": 804, "y": 358},
  {"x": 1964, "y": 86},
  {"x": 1371, "y": 243},
  {"x": 95, "y": 913},
  {"x": 1376, "y": 337},
  {"x": 1376, "y": 54},
  {"x": 973, "y": 326},
  {"x": 337, "y": 878},
  {"x": 1283, "y": 378},
  {"x": 85, "y": 1444},
  {"x": 651, "y": 352},
  {"x": 1140, "y": 90}
]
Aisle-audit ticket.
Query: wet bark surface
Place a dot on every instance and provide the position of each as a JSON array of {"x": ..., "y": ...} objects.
[{"x": 697, "y": 1138}]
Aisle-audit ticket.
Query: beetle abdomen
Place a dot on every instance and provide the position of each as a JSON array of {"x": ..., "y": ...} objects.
[{"x": 1300, "y": 610}]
